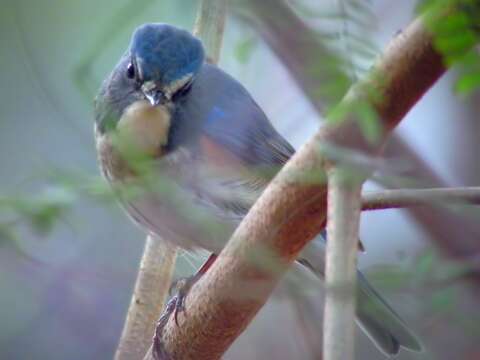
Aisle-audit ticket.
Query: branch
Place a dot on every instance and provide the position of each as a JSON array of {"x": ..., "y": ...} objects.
[
  {"x": 341, "y": 265},
  {"x": 149, "y": 295},
  {"x": 302, "y": 50},
  {"x": 210, "y": 26},
  {"x": 292, "y": 210},
  {"x": 443, "y": 225},
  {"x": 396, "y": 199},
  {"x": 342, "y": 249}
]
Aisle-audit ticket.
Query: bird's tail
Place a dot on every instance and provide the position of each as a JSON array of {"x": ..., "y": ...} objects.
[
  {"x": 380, "y": 322},
  {"x": 374, "y": 315}
]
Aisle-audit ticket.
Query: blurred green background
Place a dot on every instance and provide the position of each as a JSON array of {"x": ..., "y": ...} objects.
[{"x": 65, "y": 283}]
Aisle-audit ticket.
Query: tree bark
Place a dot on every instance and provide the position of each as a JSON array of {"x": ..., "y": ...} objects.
[
  {"x": 405, "y": 198},
  {"x": 303, "y": 49}
]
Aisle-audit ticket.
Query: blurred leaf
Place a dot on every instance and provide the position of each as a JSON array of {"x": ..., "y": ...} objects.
[
  {"x": 10, "y": 240},
  {"x": 369, "y": 122},
  {"x": 7, "y": 236},
  {"x": 244, "y": 49},
  {"x": 467, "y": 81},
  {"x": 390, "y": 277},
  {"x": 50, "y": 206},
  {"x": 362, "y": 8},
  {"x": 454, "y": 37},
  {"x": 443, "y": 300},
  {"x": 425, "y": 263},
  {"x": 455, "y": 45},
  {"x": 40, "y": 211}
]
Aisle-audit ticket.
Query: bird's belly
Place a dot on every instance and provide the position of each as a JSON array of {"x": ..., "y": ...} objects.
[
  {"x": 170, "y": 210},
  {"x": 176, "y": 216}
]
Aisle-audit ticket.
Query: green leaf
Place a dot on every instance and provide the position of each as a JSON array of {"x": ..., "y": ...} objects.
[
  {"x": 244, "y": 49},
  {"x": 425, "y": 263},
  {"x": 455, "y": 45},
  {"x": 468, "y": 83},
  {"x": 369, "y": 122},
  {"x": 389, "y": 277},
  {"x": 443, "y": 300}
]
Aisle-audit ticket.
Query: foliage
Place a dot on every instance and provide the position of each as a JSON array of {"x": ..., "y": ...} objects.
[{"x": 455, "y": 38}]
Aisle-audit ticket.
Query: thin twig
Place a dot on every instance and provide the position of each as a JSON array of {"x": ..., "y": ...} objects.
[
  {"x": 395, "y": 199},
  {"x": 151, "y": 290},
  {"x": 343, "y": 216},
  {"x": 210, "y": 26}
]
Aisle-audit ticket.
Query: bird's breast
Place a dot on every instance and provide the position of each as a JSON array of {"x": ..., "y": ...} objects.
[
  {"x": 142, "y": 130},
  {"x": 145, "y": 126}
]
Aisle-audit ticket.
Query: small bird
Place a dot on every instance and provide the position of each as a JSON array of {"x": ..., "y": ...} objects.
[{"x": 211, "y": 150}]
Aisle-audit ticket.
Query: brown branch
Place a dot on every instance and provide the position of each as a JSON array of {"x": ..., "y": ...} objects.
[
  {"x": 292, "y": 209},
  {"x": 303, "y": 52},
  {"x": 396, "y": 199}
]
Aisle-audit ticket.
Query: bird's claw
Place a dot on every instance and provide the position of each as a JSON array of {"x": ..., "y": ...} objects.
[{"x": 182, "y": 288}]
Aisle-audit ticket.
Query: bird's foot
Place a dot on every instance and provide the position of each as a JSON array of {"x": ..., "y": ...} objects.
[
  {"x": 181, "y": 287},
  {"x": 175, "y": 305},
  {"x": 158, "y": 349}
]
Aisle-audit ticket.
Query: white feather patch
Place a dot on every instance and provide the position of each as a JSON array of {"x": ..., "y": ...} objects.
[{"x": 173, "y": 87}]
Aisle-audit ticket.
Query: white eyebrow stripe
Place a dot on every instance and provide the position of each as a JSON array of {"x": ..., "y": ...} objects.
[
  {"x": 177, "y": 85},
  {"x": 137, "y": 61},
  {"x": 148, "y": 86}
]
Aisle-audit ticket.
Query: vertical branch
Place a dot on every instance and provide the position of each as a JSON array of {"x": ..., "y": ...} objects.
[
  {"x": 343, "y": 214},
  {"x": 151, "y": 290},
  {"x": 210, "y": 25}
]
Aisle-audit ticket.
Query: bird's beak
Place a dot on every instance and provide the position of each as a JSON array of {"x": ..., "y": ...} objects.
[{"x": 153, "y": 94}]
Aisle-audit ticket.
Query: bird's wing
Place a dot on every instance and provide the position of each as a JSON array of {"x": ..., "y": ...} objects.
[{"x": 236, "y": 149}]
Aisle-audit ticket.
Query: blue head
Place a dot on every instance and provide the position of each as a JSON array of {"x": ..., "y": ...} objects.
[
  {"x": 164, "y": 59},
  {"x": 160, "y": 62}
]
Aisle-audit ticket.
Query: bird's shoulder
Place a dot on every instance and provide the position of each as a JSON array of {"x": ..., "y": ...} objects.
[
  {"x": 233, "y": 148},
  {"x": 219, "y": 108}
]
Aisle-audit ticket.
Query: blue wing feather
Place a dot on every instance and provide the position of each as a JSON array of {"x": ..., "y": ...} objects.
[
  {"x": 221, "y": 108},
  {"x": 218, "y": 116}
]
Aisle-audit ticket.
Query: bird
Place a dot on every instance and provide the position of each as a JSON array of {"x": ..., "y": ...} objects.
[{"x": 210, "y": 150}]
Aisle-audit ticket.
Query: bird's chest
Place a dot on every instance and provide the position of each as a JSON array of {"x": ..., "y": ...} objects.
[
  {"x": 140, "y": 134},
  {"x": 113, "y": 164}
]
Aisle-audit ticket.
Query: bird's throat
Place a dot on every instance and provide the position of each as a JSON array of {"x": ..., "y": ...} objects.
[
  {"x": 141, "y": 133},
  {"x": 145, "y": 127}
]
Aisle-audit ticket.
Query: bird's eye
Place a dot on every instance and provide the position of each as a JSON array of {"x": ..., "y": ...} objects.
[{"x": 131, "y": 71}]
